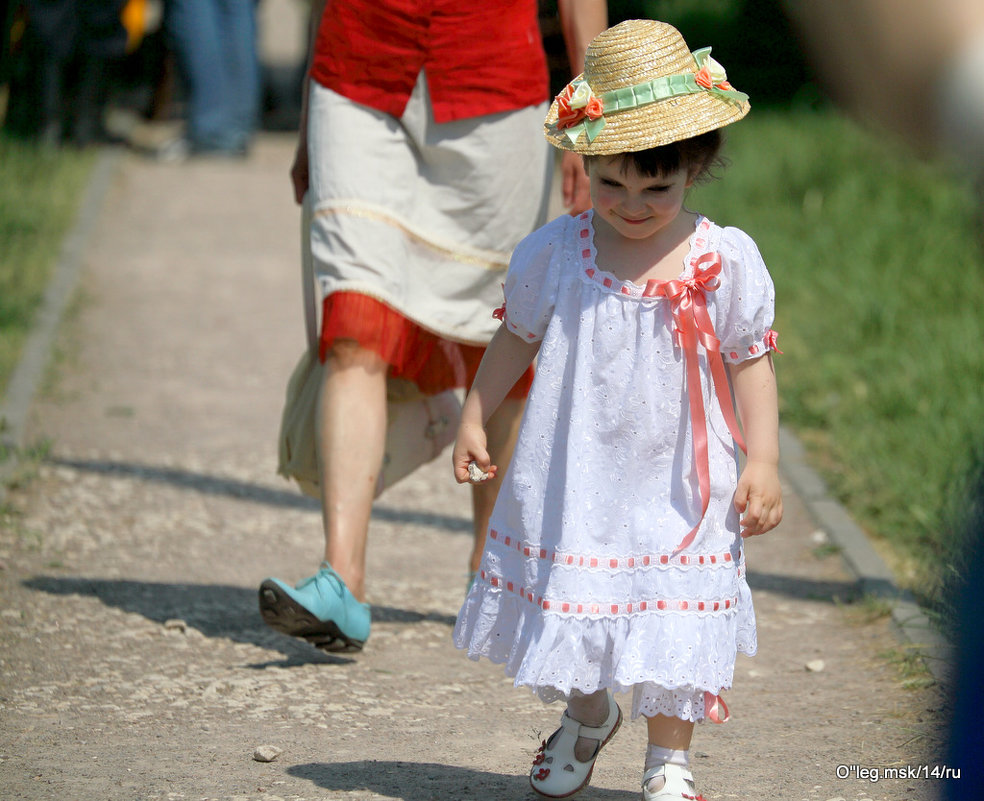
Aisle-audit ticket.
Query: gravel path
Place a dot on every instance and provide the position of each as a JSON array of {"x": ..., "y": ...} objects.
[{"x": 133, "y": 661}]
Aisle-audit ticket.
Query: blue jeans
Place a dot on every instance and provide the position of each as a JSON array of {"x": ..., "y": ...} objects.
[{"x": 215, "y": 43}]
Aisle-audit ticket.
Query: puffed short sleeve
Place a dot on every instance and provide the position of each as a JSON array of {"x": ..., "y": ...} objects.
[
  {"x": 531, "y": 282},
  {"x": 746, "y": 311}
]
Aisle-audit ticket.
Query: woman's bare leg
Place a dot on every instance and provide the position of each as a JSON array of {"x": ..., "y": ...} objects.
[{"x": 351, "y": 440}]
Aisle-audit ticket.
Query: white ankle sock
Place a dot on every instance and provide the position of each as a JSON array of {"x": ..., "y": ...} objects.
[{"x": 657, "y": 755}]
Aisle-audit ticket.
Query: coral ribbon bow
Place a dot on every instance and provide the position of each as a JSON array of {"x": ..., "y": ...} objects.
[{"x": 688, "y": 300}]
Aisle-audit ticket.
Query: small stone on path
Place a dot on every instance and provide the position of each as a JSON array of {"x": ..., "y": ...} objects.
[
  {"x": 267, "y": 753},
  {"x": 815, "y": 666}
]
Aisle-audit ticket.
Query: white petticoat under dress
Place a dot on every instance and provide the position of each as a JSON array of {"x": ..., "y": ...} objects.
[{"x": 583, "y": 584}]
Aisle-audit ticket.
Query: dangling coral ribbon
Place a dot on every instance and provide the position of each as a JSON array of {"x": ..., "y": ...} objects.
[
  {"x": 693, "y": 326},
  {"x": 713, "y": 707}
]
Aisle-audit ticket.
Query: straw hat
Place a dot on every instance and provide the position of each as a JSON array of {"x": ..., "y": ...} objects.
[{"x": 641, "y": 88}]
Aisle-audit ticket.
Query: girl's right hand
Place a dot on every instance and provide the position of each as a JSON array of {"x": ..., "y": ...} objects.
[{"x": 471, "y": 446}]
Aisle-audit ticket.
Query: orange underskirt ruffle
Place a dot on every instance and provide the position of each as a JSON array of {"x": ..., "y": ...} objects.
[{"x": 434, "y": 364}]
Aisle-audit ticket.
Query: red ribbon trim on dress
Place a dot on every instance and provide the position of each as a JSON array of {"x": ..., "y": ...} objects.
[
  {"x": 500, "y": 313},
  {"x": 688, "y": 300}
]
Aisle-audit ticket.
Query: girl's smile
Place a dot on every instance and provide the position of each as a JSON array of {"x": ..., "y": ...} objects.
[
  {"x": 641, "y": 229},
  {"x": 633, "y": 204}
]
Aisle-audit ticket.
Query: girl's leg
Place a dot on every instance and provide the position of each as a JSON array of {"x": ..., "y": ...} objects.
[
  {"x": 564, "y": 762},
  {"x": 667, "y": 732},
  {"x": 351, "y": 443},
  {"x": 591, "y": 710},
  {"x": 501, "y": 431},
  {"x": 669, "y": 743}
]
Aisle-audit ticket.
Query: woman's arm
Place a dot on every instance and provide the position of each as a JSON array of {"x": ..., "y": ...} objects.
[
  {"x": 581, "y": 21},
  {"x": 505, "y": 360},
  {"x": 299, "y": 175},
  {"x": 758, "y": 497}
]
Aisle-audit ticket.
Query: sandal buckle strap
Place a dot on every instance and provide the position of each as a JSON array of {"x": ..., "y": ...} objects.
[{"x": 593, "y": 732}]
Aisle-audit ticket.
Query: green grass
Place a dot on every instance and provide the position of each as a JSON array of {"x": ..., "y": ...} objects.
[
  {"x": 39, "y": 195},
  {"x": 879, "y": 278},
  {"x": 910, "y": 664}
]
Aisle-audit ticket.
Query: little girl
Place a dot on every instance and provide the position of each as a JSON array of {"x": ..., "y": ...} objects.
[{"x": 614, "y": 558}]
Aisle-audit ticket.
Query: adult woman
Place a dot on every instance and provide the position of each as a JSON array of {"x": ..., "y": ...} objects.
[{"x": 421, "y": 147}]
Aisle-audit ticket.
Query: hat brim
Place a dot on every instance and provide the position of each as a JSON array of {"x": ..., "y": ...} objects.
[{"x": 653, "y": 125}]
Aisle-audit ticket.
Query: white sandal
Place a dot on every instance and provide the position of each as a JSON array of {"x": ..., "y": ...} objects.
[
  {"x": 556, "y": 772},
  {"x": 678, "y": 783}
]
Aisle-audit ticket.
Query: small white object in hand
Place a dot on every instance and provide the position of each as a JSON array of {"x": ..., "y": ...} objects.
[{"x": 476, "y": 474}]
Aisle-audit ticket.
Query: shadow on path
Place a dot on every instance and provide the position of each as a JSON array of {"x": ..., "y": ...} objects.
[
  {"x": 790, "y": 586},
  {"x": 207, "y": 484},
  {"x": 806, "y": 589},
  {"x": 414, "y": 781},
  {"x": 216, "y": 610}
]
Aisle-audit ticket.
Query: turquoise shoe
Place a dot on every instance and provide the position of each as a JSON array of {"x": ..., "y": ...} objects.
[{"x": 319, "y": 609}]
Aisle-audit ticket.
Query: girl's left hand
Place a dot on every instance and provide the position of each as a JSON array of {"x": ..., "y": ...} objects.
[{"x": 758, "y": 498}]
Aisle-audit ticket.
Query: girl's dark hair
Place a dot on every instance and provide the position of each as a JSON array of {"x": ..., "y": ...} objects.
[{"x": 703, "y": 149}]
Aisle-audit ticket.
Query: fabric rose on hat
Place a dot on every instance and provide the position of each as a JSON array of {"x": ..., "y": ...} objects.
[
  {"x": 711, "y": 73},
  {"x": 576, "y": 102}
]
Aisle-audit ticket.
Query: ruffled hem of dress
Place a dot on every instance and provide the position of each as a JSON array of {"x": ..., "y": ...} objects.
[
  {"x": 554, "y": 654},
  {"x": 415, "y": 354}
]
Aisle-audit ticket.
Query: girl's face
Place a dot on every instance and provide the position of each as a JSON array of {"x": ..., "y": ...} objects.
[{"x": 636, "y": 206}]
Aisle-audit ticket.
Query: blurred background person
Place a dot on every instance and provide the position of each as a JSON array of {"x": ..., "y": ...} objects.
[
  {"x": 908, "y": 65},
  {"x": 215, "y": 45},
  {"x": 69, "y": 48}
]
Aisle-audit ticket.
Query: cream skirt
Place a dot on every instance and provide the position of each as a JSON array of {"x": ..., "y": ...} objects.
[{"x": 423, "y": 216}]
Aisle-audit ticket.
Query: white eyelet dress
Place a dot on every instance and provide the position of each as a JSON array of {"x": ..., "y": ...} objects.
[{"x": 583, "y": 584}]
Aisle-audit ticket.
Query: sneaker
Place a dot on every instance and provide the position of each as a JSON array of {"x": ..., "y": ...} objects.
[{"x": 319, "y": 609}]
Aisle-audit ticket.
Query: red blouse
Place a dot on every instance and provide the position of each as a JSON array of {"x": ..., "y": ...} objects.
[{"x": 480, "y": 57}]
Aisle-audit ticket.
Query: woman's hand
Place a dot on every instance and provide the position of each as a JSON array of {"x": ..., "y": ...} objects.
[
  {"x": 758, "y": 498},
  {"x": 471, "y": 446},
  {"x": 299, "y": 176},
  {"x": 575, "y": 184}
]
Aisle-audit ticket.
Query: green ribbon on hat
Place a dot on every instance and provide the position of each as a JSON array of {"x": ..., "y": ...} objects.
[{"x": 710, "y": 77}]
